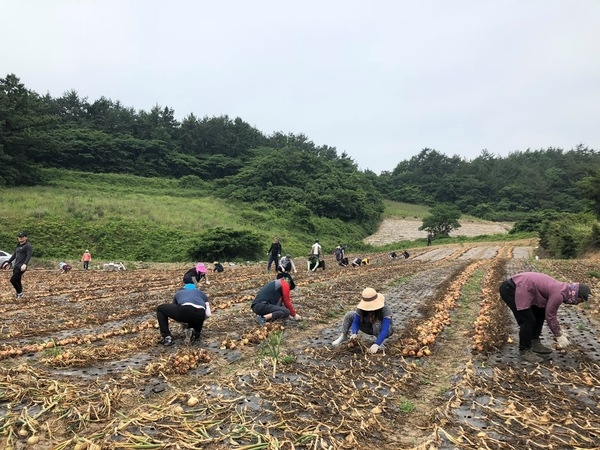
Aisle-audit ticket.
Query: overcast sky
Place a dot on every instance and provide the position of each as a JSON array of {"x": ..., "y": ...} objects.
[{"x": 379, "y": 80}]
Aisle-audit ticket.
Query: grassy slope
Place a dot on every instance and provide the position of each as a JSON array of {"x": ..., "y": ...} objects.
[{"x": 122, "y": 217}]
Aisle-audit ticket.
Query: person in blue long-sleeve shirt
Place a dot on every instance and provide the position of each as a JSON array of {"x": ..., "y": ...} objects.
[{"x": 372, "y": 316}]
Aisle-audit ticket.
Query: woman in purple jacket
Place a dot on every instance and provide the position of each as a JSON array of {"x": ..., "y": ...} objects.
[{"x": 533, "y": 298}]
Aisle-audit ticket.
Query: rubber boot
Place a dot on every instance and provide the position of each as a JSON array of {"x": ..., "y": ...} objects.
[
  {"x": 529, "y": 356},
  {"x": 538, "y": 347}
]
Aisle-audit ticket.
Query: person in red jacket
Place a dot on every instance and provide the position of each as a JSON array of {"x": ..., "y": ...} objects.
[
  {"x": 86, "y": 258},
  {"x": 533, "y": 298},
  {"x": 273, "y": 301}
]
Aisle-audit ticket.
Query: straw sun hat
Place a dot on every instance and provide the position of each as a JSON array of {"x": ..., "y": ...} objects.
[{"x": 371, "y": 300}]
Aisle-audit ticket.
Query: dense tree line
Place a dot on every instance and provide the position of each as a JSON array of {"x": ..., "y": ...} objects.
[
  {"x": 104, "y": 136},
  {"x": 499, "y": 188},
  {"x": 282, "y": 169}
]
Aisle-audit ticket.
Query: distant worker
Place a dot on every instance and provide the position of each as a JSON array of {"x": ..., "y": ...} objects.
[
  {"x": 274, "y": 253},
  {"x": 315, "y": 250},
  {"x": 64, "y": 267},
  {"x": 314, "y": 263},
  {"x": 360, "y": 262},
  {"x": 21, "y": 258},
  {"x": 196, "y": 274},
  {"x": 339, "y": 254},
  {"x": 286, "y": 264},
  {"x": 86, "y": 258},
  {"x": 218, "y": 267}
]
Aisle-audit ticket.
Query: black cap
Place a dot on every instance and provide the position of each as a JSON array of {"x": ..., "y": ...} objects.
[
  {"x": 287, "y": 278},
  {"x": 22, "y": 234},
  {"x": 584, "y": 292}
]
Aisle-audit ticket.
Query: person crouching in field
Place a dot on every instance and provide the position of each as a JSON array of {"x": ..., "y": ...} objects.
[
  {"x": 196, "y": 274},
  {"x": 218, "y": 267},
  {"x": 360, "y": 262},
  {"x": 372, "y": 316},
  {"x": 64, "y": 267},
  {"x": 190, "y": 306},
  {"x": 314, "y": 263},
  {"x": 274, "y": 302},
  {"x": 533, "y": 298},
  {"x": 286, "y": 264}
]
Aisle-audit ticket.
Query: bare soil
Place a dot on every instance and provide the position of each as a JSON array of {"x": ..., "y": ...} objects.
[
  {"x": 395, "y": 230},
  {"x": 81, "y": 367}
]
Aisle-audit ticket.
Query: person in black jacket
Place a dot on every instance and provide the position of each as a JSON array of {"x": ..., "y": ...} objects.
[
  {"x": 196, "y": 274},
  {"x": 21, "y": 257},
  {"x": 274, "y": 253}
]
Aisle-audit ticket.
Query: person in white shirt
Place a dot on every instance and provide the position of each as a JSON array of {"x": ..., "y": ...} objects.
[{"x": 315, "y": 250}]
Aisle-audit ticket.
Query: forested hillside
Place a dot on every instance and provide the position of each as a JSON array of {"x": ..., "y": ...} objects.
[{"x": 232, "y": 160}]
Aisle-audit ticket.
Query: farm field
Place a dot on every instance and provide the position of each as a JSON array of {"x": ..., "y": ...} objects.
[{"x": 81, "y": 367}]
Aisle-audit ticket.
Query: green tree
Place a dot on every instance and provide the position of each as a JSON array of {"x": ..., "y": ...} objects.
[
  {"x": 23, "y": 118},
  {"x": 441, "y": 220},
  {"x": 589, "y": 187},
  {"x": 221, "y": 244}
]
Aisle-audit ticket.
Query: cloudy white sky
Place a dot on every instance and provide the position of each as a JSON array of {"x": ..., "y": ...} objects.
[{"x": 380, "y": 80}]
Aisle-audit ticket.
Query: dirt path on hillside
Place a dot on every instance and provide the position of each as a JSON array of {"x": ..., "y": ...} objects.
[{"x": 396, "y": 230}]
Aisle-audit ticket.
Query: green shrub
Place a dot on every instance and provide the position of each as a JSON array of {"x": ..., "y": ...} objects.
[{"x": 222, "y": 244}]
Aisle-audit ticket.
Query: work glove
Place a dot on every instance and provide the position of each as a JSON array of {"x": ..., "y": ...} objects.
[
  {"x": 207, "y": 310},
  {"x": 23, "y": 267},
  {"x": 279, "y": 255},
  {"x": 563, "y": 341},
  {"x": 353, "y": 337},
  {"x": 297, "y": 317},
  {"x": 373, "y": 348}
]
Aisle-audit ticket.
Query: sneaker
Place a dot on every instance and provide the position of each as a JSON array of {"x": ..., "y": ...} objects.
[
  {"x": 166, "y": 341},
  {"x": 529, "y": 356},
  {"x": 343, "y": 338},
  {"x": 194, "y": 337},
  {"x": 261, "y": 320},
  {"x": 20, "y": 295},
  {"x": 538, "y": 347}
]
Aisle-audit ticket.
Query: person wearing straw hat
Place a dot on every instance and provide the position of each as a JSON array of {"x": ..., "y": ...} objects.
[
  {"x": 372, "y": 316},
  {"x": 533, "y": 298}
]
